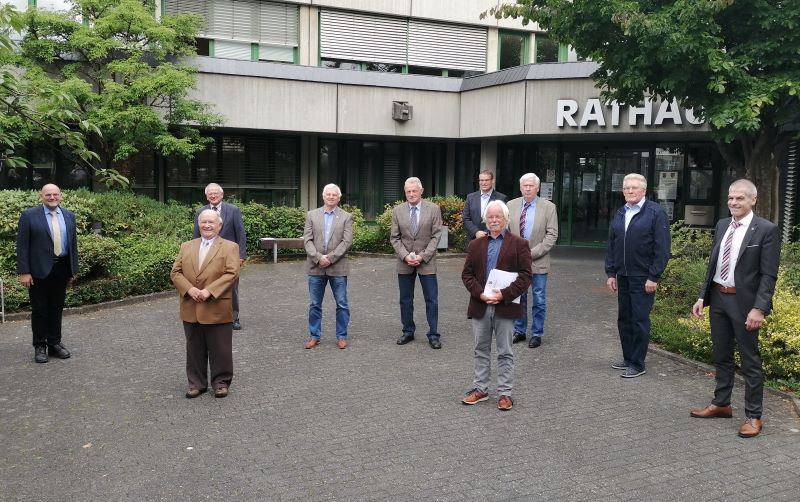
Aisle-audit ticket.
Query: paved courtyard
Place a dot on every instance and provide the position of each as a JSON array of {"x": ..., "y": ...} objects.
[{"x": 376, "y": 421}]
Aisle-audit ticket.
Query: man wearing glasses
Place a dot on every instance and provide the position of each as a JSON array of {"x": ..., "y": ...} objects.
[{"x": 475, "y": 205}]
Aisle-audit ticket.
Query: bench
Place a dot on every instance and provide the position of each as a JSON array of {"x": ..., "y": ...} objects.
[{"x": 276, "y": 243}]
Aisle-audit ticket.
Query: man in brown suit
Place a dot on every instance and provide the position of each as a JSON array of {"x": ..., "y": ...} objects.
[
  {"x": 327, "y": 237},
  {"x": 493, "y": 313},
  {"x": 204, "y": 273},
  {"x": 416, "y": 227}
]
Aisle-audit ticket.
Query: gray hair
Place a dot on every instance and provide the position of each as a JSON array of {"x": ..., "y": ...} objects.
[
  {"x": 413, "y": 181},
  {"x": 749, "y": 187},
  {"x": 332, "y": 185},
  {"x": 204, "y": 211},
  {"x": 529, "y": 176},
  {"x": 635, "y": 176},
  {"x": 213, "y": 185},
  {"x": 501, "y": 205}
]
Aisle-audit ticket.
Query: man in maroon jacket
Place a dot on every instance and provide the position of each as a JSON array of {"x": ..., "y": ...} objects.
[{"x": 494, "y": 313}]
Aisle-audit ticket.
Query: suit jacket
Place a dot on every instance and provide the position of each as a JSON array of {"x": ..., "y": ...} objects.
[
  {"x": 544, "y": 234},
  {"x": 35, "y": 243},
  {"x": 756, "y": 267},
  {"x": 232, "y": 226},
  {"x": 219, "y": 271},
  {"x": 514, "y": 257},
  {"x": 339, "y": 241},
  {"x": 423, "y": 244},
  {"x": 472, "y": 217}
]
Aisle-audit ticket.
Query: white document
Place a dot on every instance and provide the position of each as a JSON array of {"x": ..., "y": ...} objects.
[{"x": 499, "y": 279}]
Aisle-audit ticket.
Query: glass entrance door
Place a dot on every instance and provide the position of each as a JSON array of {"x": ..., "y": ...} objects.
[{"x": 591, "y": 192}]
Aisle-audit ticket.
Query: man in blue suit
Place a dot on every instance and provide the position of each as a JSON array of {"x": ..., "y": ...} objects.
[
  {"x": 47, "y": 261},
  {"x": 232, "y": 230},
  {"x": 476, "y": 202}
]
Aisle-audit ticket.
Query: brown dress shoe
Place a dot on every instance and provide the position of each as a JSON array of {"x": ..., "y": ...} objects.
[
  {"x": 312, "y": 342},
  {"x": 341, "y": 343},
  {"x": 712, "y": 411},
  {"x": 751, "y": 428},
  {"x": 193, "y": 393},
  {"x": 505, "y": 403},
  {"x": 221, "y": 392}
]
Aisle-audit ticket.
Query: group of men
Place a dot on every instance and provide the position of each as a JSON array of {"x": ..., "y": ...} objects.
[{"x": 514, "y": 239}]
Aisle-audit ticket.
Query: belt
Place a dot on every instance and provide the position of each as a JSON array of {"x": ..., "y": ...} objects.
[{"x": 724, "y": 289}]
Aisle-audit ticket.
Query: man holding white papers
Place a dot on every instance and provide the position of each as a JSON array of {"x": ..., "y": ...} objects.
[{"x": 495, "y": 314}]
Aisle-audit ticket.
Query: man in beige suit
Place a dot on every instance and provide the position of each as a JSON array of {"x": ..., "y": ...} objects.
[
  {"x": 204, "y": 273},
  {"x": 327, "y": 237},
  {"x": 534, "y": 219},
  {"x": 416, "y": 227}
]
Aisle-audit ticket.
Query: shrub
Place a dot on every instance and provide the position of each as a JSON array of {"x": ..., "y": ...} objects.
[
  {"x": 97, "y": 255},
  {"x": 263, "y": 221},
  {"x": 690, "y": 242},
  {"x": 123, "y": 213},
  {"x": 144, "y": 264}
]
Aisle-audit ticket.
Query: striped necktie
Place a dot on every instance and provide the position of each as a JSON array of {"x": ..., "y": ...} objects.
[
  {"x": 726, "y": 251},
  {"x": 522, "y": 217},
  {"x": 414, "y": 222}
]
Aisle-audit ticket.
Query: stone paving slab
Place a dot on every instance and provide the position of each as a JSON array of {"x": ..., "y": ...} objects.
[{"x": 377, "y": 421}]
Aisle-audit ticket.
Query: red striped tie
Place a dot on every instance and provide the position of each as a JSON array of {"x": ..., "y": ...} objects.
[
  {"x": 726, "y": 251},
  {"x": 522, "y": 215}
]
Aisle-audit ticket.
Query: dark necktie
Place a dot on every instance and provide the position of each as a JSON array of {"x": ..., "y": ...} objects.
[
  {"x": 522, "y": 216},
  {"x": 414, "y": 223},
  {"x": 726, "y": 251}
]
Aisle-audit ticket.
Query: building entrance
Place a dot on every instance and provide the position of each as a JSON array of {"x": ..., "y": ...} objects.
[{"x": 591, "y": 191}]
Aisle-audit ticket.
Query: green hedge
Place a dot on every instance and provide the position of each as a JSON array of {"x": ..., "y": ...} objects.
[{"x": 675, "y": 329}]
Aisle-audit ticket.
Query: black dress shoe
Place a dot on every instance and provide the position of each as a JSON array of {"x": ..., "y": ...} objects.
[
  {"x": 518, "y": 337},
  {"x": 59, "y": 351},
  {"x": 404, "y": 339},
  {"x": 535, "y": 342},
  {"x": 237, "y": 325},
  {"x": 41, "y": 354},
  {"x": 435, "y": 343}
]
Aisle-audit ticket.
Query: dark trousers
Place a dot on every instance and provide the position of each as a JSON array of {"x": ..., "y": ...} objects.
[
  {"x": 209, "y": 345},
  {"x": 430, "y": 290},
  {"x": 47, "y": 303},
  {"x": 235, "y": 300},
  {"x": 633, "y": 319},
  {"x": 727, "y": 330}
]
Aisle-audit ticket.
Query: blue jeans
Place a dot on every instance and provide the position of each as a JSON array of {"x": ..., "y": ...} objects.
[
  {"x": 538, "y": 309},
  {"x": 316, "y": 292},
  {"x": 430, "y": 290},
  {"x": 633, "y": 319}
]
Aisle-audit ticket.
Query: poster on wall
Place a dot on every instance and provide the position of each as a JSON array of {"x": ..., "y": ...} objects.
[
  {"x": 668, "y": 185},
  {"x": 589, "y": 182},
  {"x": 669, "y": 208},
  {"x": 551, "y": 175},
  {"x": 546, "y": 191},
  {"x": 616, "y": 182}
]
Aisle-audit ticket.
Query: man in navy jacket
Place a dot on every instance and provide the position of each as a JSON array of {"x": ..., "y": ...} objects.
[
  {"x": 47, "y": 261},
  {"x": 636, "y": 256}
]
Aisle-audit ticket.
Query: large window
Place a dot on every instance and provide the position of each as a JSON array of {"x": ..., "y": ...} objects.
[
  {"x": 244, "y": 29},
  {"x": 371, "y": 173},
  {"x": 547, "y": 49},
  {"x": 260, "y": 168},
  {"x": 468, "y": 165}
]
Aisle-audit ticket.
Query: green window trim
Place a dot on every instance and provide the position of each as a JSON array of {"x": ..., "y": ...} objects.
[
  {"x": 211, "y": 47},
  {"x": 254, "y": 52},
  {"x": 563, "y": 53}
]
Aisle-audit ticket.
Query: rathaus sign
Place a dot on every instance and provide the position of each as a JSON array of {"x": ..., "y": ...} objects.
[{"x": 651, "y": 114}]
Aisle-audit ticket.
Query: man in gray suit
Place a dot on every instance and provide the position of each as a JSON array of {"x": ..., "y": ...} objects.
[
  {"x": 232, "y": 230},
  {"x": 416, "y": 227},
  {"x": 327, "y": 237},
  {"x": 476, "y": 202},
  {"x": 738, "y": 290},
  {"x": 535, "y": 220}
]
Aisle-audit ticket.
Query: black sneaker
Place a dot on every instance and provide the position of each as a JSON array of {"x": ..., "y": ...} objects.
[
  {"x": 40, "y": 354},
  {"x": 518, "y": 337},
  {"x": 632, "y": 373},
  {"x": 619, "y": 365}
]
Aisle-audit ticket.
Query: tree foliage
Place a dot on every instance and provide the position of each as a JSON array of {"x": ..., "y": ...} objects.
[
  {"x": 34, "y": 109},
  {"x": 736, "y": 62},
  {"x": 119, "y": 63}
]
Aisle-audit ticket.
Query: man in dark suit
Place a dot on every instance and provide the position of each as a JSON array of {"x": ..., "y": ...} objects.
[
  {"x": 327, "y": 236},
  {"x": 416, "y": 227},
  {"x": 494, "y": 314},
  {"x": 204, "y": 274},
  {"x": 475, "y": 205},
  {"x": 636, "y": 255},
  {"x": 232, "y": 230},
  {"x": 47, "y": 262},
  {"x": 738, "y": 290}
]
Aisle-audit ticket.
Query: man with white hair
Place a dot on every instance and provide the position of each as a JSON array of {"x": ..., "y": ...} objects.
[
  {"x": 493, "y": 313},
  {"x": 534, "y": 219},
  {"x": 232, "y": 230},
  {"x": 416, "y": 227},
  {"x": 327, "y": 236}
]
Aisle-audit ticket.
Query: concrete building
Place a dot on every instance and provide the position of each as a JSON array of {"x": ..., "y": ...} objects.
[{"x": 365, "y": 93}]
